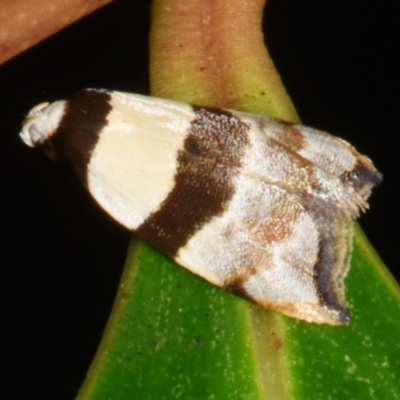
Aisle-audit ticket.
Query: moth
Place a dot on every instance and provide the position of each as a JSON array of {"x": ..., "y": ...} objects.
[{"x": 260, "y": 207}]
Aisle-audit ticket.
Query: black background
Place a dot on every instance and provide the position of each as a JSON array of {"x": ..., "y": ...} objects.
[{"x": 62, "y": 256}]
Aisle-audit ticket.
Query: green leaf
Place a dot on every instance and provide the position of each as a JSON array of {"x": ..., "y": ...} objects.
[
  {"x": 359, "y": 361},
  {"x": 173, "y": 335}
]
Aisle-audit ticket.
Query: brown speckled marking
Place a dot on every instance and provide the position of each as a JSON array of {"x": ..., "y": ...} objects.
[
  {"x": 292, "y": 137},
  {"x": 363, "y": 174},
  {"x": 236, "y": 283},
  {"x": 287, "y": 135},
  {"x": 212, "y": 156},
  {"x": 78, "y": 132},
  {"x": 264, "y": 228},
  {"x": 303, "y": 170}
]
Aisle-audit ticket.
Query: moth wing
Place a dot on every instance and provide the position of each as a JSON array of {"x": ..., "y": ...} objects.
[
  {"x": 133, "y": 164},
  {"x": 333, "y": 155},
  {"x": 268, "y": 242},
  {"x": 269, "y": 248}
]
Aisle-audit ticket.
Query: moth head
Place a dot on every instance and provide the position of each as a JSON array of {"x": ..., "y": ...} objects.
[{"x": 40, "y": 124}]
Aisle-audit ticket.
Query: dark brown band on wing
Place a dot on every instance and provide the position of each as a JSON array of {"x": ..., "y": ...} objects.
[
  {"x": 78, "y": 132},
  {"x": 211, "y": 158},
  {"x": 324, "y": 274}
]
